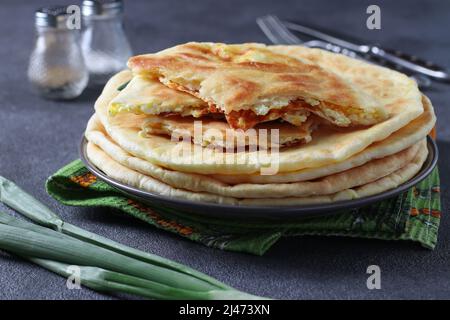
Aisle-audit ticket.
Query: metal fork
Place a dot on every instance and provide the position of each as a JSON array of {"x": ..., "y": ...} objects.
[{"x": 278, "y": 33}]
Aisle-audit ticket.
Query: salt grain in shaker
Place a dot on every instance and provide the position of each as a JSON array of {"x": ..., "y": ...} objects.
[
  {"x": 104, "y": 43},
  {"x": 56, "y": 69}
]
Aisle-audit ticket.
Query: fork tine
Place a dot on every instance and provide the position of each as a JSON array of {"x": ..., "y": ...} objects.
[
  {"x": 275, "y": 30},
  {"x": 269, "y": 31}
]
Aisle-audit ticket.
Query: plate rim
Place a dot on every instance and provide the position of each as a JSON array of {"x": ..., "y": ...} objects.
[{"x": 299, "y": 211}]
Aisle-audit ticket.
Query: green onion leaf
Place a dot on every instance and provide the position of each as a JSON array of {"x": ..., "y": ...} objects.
[
  {"x": 73, "y": 251},
  {"x": 109, "y": 281},
  {"x": 18, "y": 199},
  {"x": 105, "y": 265}
]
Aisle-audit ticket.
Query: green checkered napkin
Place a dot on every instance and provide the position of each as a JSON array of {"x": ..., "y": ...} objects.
[{"x": 412, "y": 216}]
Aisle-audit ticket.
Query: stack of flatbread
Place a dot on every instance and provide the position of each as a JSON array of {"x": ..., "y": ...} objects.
[{"x": 251, "y": 124}]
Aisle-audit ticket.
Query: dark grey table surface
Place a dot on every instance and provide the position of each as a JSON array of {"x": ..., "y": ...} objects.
[{"x": 37, "y": 137}]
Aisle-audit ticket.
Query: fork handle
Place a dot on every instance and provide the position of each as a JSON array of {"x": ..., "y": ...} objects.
[{"x": 410, "y": 63}]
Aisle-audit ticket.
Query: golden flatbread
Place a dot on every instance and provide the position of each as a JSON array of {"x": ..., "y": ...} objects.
[
  {"x": 250, "y": 84},
  {"x": 369, "y": 172},
  {"x": 133, "y": 178},
  {"x": 328, "y": 146},
  {"x": 214, "y": 133},
  {"x": 146, "y": 95},
  {"x": 407, "y": 136}
]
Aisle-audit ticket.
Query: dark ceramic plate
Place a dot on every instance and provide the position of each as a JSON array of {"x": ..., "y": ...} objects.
[{"x": 258, "y": 212}]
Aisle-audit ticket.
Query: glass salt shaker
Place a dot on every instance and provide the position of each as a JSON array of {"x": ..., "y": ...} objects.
[
  {"x": 104, "y": 43},
  {"x": 56, "y": 68}
]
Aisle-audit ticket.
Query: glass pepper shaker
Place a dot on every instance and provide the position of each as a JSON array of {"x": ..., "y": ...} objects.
[
  {"x": 104, "y": 43},
  {"x": 56, "y": 68}
]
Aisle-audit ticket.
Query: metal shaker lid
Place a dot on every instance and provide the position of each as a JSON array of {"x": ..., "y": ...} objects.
[
  {"x": 52, "y": 17},
  {"x": 101, "y": 7}
]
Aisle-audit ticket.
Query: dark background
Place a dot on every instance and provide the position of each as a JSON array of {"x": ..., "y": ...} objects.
[{"x": 37, "y": 137}]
